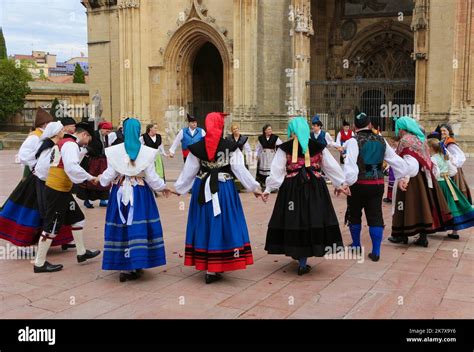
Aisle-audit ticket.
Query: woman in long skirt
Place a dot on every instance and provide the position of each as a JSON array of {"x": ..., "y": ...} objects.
[
  {"x": 461, "y": 209},
  {"x": 304, "y": 223},
  {"x": 217, "y": 238},
  {"x": 133, "y": 231}
]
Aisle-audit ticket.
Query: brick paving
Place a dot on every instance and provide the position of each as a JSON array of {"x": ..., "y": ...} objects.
[{"x": 408, "y": 282}]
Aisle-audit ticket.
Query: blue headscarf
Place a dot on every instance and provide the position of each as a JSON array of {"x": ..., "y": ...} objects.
[
  {"x": 299, "y": 127},
  {"x": 131, "y": 131}
]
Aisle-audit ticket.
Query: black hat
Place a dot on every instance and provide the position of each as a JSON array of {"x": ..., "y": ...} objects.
[
  {"x": 434, "y": 135},
  {"x": 362, "y": 120},
  {"x": 67, "y": 121},
  {"x": 86, "y": 127},
  {"x": 191, "y": 118}
]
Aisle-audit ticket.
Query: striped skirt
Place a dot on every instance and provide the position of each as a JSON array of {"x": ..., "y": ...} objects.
[
  {"x": 217, "y": 243},
  {"x": 138, "y": 244}
]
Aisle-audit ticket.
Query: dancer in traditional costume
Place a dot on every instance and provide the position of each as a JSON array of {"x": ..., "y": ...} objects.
[
  {"x": 342, "y": 137},
  {"x": 186, "y": 137},
  {"x": 422, "y": 209},
  {"x": 61, "y": 208},
  {"x": 133, "y": 231},
  {"x": 444, "y": 170},
  {"x": 304, "y": 223},
  {"x": 152, "y": 139},
  {"x": 116, "y": 138},
  {"x": 28, "y": 149},
  {"x": 363, "y": 169},
  {"x": 244, "y": 146},
  {"x": 321, "y": 136},
  {"x": 458, "y": 158},
  {"x": 217, "y": 238},
  {"x": 22, "y": 216},
  {"x": 95, "y": 163},
  {"x": 265, "y": 152}
]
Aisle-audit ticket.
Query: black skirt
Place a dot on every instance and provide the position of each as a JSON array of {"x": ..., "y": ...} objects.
[{"x": 303, "y": 223}]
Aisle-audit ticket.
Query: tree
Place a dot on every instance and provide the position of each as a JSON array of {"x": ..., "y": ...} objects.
[
  {"x": 14, "y": 78},
  {"x": 79, "y": 76},
  {"x": 55, "y": 109},
  {"x": 3, "y": 46}
]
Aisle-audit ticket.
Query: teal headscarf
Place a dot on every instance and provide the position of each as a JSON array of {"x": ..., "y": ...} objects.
[
  {"x": 410, "y": 125},
  {"x": 299, "y": 126},
  {"x": 131, "y": 131}
]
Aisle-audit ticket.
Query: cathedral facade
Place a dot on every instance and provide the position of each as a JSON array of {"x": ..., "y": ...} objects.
[{"x": 268, "y": 60}]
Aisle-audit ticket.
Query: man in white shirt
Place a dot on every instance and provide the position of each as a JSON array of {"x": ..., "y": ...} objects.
[
  {"x": 186, "y": 137},
  {"x": 364, "y": 174},
  {"x": 61, "y": 207}
]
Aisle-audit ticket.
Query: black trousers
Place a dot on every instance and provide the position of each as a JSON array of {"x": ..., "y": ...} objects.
[
  {"x": 61, "y": 209},
  {"x": 369, "y": 199}
]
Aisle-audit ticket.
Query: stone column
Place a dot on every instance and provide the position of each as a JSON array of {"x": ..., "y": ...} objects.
[
  {"x": 462, "y": 107},
  {"x": 300, "y": 33},
  {"x": 130, "y": 58},
  {"x": 420, "y": 28},
  {"x": 245, "y": 63}
]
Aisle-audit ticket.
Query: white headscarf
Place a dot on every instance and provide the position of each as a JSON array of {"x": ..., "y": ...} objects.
[{"x": 52, "y": 130}]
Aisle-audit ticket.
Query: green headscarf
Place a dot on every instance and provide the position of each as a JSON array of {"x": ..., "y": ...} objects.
[
  {"x": 131, "y": 131},
  {"x": 299, "y": 126},
  {"x": 410, "y": 125}
]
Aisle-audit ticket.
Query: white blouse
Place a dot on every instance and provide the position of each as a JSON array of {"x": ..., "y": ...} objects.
[
  {"x": 402, "y": 167},
  {"x": 329, "y": 165},
  {"x": 458, "y": 156},
  {"x": 28, "y": 150},
  {"x": 192, "y": 166}
]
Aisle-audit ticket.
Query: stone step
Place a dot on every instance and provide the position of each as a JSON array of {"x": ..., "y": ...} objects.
[{"x": 12, "y": 140}]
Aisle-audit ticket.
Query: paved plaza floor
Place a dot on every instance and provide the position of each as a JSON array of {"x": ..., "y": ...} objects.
[{"x": 408, "y": 282}]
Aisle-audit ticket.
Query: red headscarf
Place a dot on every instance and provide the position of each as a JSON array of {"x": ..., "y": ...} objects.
[
  {"x": 214, "y": 132},
  {"x": 106, "y": 126}
]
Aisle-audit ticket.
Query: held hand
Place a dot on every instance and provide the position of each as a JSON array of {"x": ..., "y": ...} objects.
[
  {"x": 403, "y": 185},
  {"x": 257, "y": 193},
  {"x": 95, "y": 181},
  {"x": 167, "y": 192},
  {"x": 265, "y": 197},
  {"x": 171, "y": 155}
]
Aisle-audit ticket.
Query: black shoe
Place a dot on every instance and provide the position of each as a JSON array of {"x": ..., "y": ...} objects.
[
  {"x": 65, "y": 247},
  {"x": 124, "y": 277},
  {"x": 375, "y": 258},
  {"x": 387, "y": 200},
  {"x": 213, "y": 278},
  {"x": 402, "y": 239},
  {"x": 305, "y": 270},
  {"x": 88, "y": 204},
  {"x": 422, "y": 241},
  {"x": 104, "y": 203},
  {"x": 88, "y": 255},
  {"x": 140, "y": 272},
  {"x": 453, "y": 237},
  {"x": 47, "y": 268}
]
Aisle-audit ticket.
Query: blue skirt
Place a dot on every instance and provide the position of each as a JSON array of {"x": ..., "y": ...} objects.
[
  {"x": 140, "y": 245},
  {"x": 217, "y": 243}
]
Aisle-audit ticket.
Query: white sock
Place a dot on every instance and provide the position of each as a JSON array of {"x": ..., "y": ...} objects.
[
  {"x": 455, "y": 232},
  {"x": 79, "y": 239},
  {"x": 211, "y": 273},
  {"x": 43, "y": 247}
]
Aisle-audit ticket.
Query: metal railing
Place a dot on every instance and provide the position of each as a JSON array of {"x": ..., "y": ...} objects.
[{"x": 381, "y": 100}]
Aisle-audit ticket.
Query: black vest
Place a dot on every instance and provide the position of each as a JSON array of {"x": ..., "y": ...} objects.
[{"x": 372, "y": 149}]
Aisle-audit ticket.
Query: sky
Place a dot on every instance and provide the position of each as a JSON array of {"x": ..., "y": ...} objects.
[{"x": 55, "y": 26}]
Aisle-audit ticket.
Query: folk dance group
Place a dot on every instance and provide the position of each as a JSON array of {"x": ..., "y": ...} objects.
[{"x": 430, "y": 192}]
